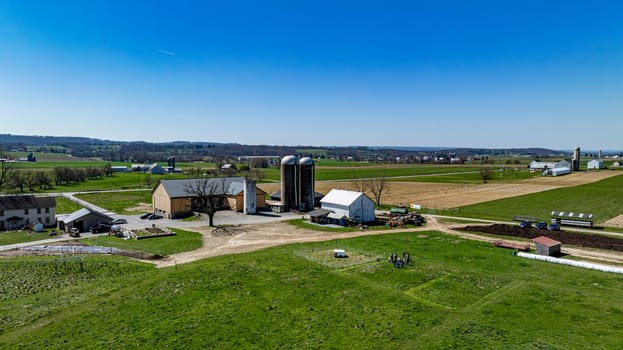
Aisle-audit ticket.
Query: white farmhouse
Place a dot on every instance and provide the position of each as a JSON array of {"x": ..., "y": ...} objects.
[
  {"x": 18, "y": 211},
  {"x": 354, "y": 205},
  {"x": 595, "y": 164}
]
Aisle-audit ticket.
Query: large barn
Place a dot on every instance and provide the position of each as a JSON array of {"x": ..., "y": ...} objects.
[
  {"x": 354, "y": 205},
  {"x": 173, "y": 198}
]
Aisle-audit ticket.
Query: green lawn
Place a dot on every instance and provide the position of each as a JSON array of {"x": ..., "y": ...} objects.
[
  {"x": 459, "y": 294},
  {"x": 118, "y": 202},
  {"x": 65, "y": 206},
  {"x": 183, "y": 241},
  {"x": 603, "y": 199},
  {"x": 14, "y": 237}
]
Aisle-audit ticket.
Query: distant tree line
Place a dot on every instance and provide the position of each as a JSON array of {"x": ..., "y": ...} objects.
[{"x": 14, "y": 180}]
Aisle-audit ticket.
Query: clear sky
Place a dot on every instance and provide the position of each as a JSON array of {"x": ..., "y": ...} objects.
[{"x": 405, "y": 73}]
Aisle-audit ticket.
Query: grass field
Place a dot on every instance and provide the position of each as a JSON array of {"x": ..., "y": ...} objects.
[
  {"x": 65, "y": 206},
  {"x": 431, "y": 173},
  {"x": 14, "y": 237},
  {"x": 603, "y": 199},
  {"x": 458, "y": 294},
  {"x": 118, "y": 202},
  {"x": 181, "y": 242}
]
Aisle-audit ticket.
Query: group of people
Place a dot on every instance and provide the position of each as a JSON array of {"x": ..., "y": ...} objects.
[{"x": 397, "y": 261}]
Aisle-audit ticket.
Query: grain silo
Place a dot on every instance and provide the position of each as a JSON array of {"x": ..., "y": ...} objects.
[
  {"x": 289, "y": 182},
  {"x": 575, "y": 163},
  {"x": 306, "y": 184}
]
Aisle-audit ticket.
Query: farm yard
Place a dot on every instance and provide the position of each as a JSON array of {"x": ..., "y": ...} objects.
[{"x": 457, "y": 294}]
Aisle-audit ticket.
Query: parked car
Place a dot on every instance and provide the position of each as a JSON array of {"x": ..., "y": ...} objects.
[
  {"x": 541, "y": 225},
  {"x": 553, "y": 227},
  {"x": 154, "y": 217},
  {"x": 119, "y": 221},
  {"x": 146, "y": 215},
  {"x": 99, "y": 228},
  {"x": 525, "y": 224}
]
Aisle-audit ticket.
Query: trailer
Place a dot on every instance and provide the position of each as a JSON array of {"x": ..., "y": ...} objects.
[
  {"x": 572, "y": 219},
  {"x": 519, "y": 246}
]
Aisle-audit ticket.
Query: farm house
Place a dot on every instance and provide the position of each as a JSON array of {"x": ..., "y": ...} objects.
[
  {"x": 17, "y": 211},
  {"x": 595, "y": 164},
  {"x": 350, "y": 204},
  {"x": 172, "y": 199},
  {"x": 546, "y": 246}
]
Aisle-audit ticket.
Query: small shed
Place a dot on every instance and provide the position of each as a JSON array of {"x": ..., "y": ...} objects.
[
  {"x": 319, "y": 216},
  {"x": 546, "y": 246},
  {"x": 595, "y": 164}
]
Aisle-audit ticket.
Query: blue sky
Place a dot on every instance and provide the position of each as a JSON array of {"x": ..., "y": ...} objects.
[{"x": 405, "y": 73}]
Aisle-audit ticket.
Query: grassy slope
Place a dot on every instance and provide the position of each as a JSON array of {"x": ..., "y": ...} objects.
[
  {"x": 459, "y": 294},
  {"x": 118, "y": 202},
  {"x": 183, "y": 241},
  {"x": 604, "y": 199}
]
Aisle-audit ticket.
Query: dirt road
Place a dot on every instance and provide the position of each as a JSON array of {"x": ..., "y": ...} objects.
[{"x": 255, "y": 237}]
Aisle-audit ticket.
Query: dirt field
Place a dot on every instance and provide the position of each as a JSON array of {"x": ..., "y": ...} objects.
[
  {"x": 443, "y": 196},
  {"x": 251, "y": 238}
]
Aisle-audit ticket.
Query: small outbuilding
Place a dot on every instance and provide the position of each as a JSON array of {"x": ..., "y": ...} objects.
[
  {"x": 83, "y": 219},
  {"x": 595, "y": 164},
  {"x": 546, "y": 246}
]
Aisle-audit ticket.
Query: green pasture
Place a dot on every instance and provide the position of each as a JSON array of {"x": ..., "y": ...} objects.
[
  {"x": 603, "y": 199},
  {"x": 118, "y": 202},
  {"x": 346, "y": 173},
  {"x": 119, "y": 181},
  {"x": 181, "y": 242},
  {"x": 458, "y": 294}
]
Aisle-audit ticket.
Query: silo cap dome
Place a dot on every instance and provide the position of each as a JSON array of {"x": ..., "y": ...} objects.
[
  {"x": 306, "y": 161},
  {"x": 289, "y": 160}
]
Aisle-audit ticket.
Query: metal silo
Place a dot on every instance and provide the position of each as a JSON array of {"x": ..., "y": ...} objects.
[
  {"x": 289, "y": 182},
  {"x": 306, "y": 184}
]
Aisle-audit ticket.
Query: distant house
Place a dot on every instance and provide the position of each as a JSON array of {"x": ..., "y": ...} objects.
[
  {"x": 18, "y": 211},
  {"x": 83, "y": 219},
  {"x": 154, "y": 168},
  {"x": 172, "y": 198},
  {"x": 354, "y": 205},
  {"x": 229, "y": 168},
  {"x": 595, "y": 164},
  {"x": 546, "y": 246}
]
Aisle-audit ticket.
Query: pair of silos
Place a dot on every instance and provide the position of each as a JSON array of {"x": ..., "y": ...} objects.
[{"x": 297, "y": 183}]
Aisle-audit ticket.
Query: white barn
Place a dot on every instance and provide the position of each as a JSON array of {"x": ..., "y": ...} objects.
[
  {"x": 354, "y": 205},
  {"x": 595, "y": 164}
]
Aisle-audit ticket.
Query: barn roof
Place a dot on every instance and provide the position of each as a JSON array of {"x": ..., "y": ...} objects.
[
  {"x": 178, "y": 188},
  {"x": 546, "y": 241},
  {"x": 26, "y": 202},
  {"x": 317, "y": 213},
  {"x": 341, "y": 197},
  {"x": 80, "y": 213}
]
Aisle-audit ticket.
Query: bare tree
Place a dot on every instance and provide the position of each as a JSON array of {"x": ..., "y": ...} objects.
[
  {"x": 359, "y": 185},
  {"x": 6, "y": 169},
  {"x": 486, "y": 174},
  {"x": 377, "y": 187},
  {"x": 208, "y": 195}
]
